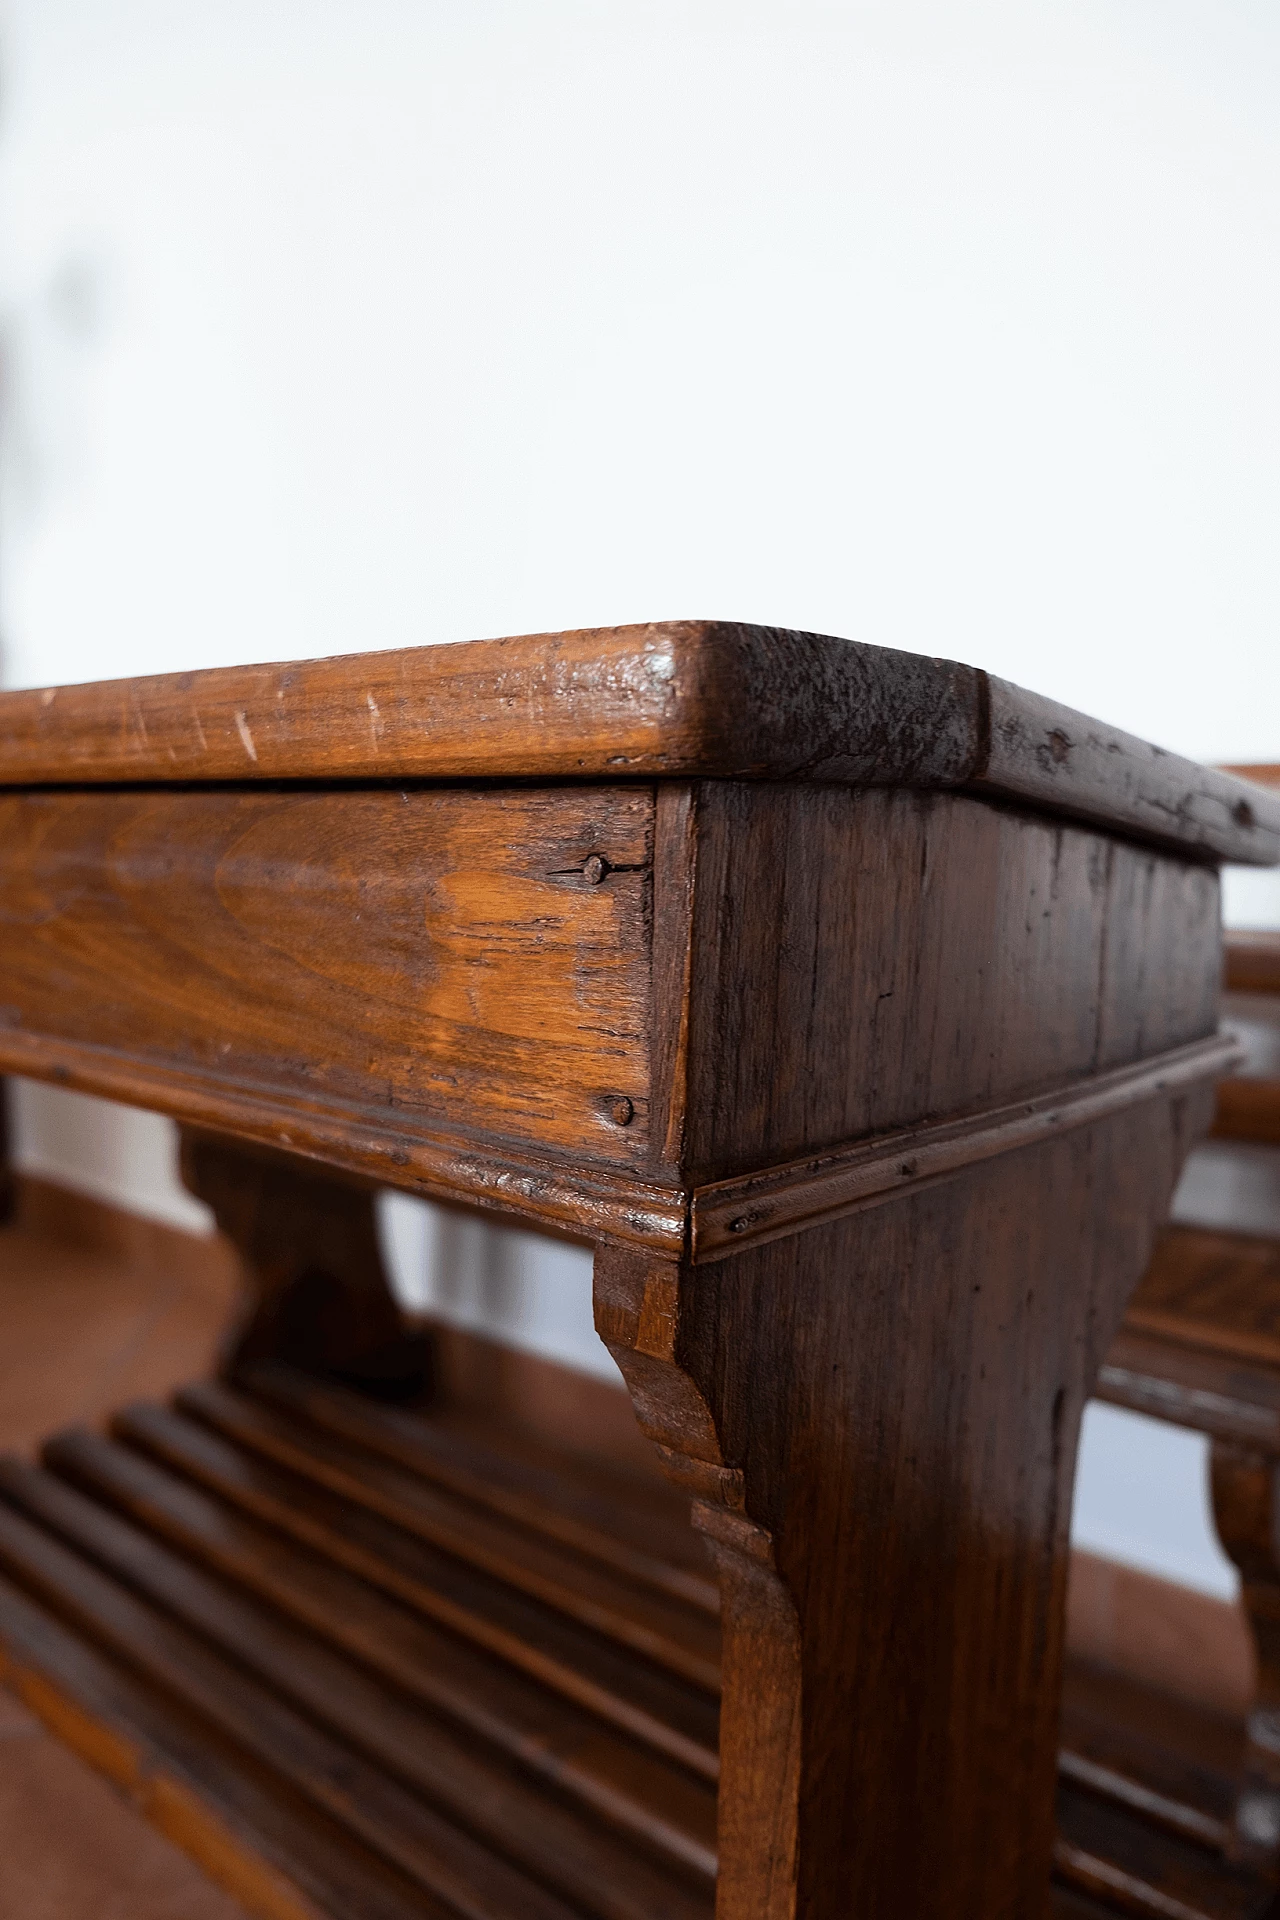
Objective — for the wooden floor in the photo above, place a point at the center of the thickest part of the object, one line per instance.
(80, 1329)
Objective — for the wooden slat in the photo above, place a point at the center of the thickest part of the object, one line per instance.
(1172, 1765)
(649, 1542)
(679, 1638)
(558, 1845)
(278, 1856)
(1147, 1872)
(642, 1699)
(398, 1824)
(621, 1782)
(1248, 1109)
(1217, 1291)
(1259, 772)
(1200, 1345)
(197, 1561)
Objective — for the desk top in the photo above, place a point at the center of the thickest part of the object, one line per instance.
(674, 699)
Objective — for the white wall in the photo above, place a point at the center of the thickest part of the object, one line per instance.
(327, 326)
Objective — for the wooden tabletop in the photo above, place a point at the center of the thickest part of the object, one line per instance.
(676, 699)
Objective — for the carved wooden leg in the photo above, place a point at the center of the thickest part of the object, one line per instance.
(309, 1241)
(878, 1421)
(1247, 1513)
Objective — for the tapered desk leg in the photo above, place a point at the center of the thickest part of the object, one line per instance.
(319, 1294)
(878, 1420)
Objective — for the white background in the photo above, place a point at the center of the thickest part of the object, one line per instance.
(330, 326)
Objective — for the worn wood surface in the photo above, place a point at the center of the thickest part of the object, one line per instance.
(877, 1413)
(441, 956)
(354, 1627)
(778, 1201)
(865, 961)
(924, 907)
(676, 698)
(908, 1634)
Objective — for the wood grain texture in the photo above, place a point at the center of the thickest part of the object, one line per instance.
(677, 698)
(862, 895)
(869, 961)
(277, 1652)
(408, 1737)
(440, 956)
(1216, 1292)
(640, 1698)
(1164, 1638)
(784, 1200)
(900, 1448)
(282, 1861)
(877, 1415)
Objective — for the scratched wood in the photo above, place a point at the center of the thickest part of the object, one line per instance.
(451, 956)
(864, 892)
(668, 699)
(829, 996)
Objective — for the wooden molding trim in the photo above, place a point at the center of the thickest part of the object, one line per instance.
(601, 1205)
(476, 1374)
(732, 1214)
(583, 1203)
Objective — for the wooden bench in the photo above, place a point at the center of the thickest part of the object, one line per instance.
(858, 1010)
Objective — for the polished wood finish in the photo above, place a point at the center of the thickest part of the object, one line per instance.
(867, 1072)
(315, 1617)
(776, 1388)
(438, 955)
(676, 698)
(217, 1594)
(1249, 1101)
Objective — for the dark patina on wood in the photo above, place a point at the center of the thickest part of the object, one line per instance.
(859, 1010)
(695, 698)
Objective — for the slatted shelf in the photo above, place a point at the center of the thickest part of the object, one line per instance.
(398, 1667)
